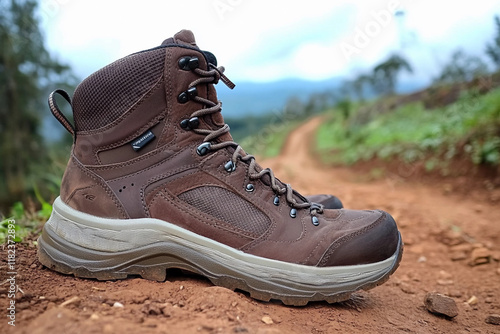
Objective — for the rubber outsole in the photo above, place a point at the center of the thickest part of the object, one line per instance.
(86, 246)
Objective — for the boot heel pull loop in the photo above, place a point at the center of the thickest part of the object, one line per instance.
(54, 108)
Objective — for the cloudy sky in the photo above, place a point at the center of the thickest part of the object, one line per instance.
(258, 40)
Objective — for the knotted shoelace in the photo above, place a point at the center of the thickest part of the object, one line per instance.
(212, 76)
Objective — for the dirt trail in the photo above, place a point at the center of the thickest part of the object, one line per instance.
(442, 232)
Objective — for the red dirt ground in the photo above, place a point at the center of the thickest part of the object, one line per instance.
(443, 232)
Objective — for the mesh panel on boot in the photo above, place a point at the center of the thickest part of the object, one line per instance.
(108, 93)
(228, 207)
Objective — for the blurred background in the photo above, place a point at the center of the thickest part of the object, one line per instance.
(414, 82)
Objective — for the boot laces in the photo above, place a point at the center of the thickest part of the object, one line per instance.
(212, 76)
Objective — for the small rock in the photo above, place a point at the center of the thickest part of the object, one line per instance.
(445, 275)
(440, 304)
(479, 256)
(498, 271)
(458, 255)
(133, 296)
(267, 320)
(451, 238)
(53, 299)
(408, 241)
(118, 304)
(407, 288)
(472, 300)
(445, 282)
(404, 278)
(466, 247)
(422, 259)
(94, 316)
(489, 300)
(455, 294)
(493, 319)
(151, 309)
(72, 300)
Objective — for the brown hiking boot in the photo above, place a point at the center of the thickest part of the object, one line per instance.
(155, 181)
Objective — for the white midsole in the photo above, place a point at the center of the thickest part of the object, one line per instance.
(117, 235)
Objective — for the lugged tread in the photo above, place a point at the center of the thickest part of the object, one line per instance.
(157, 272)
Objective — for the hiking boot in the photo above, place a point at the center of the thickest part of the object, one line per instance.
(328, 201)
(155, 181)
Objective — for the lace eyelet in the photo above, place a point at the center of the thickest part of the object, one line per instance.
(276, 200)
(315, 220)
(230, 166)
(188, 63)
(193, 63)
(250, 187)
(183, 63)
(293, 213)
(189, 124)
(190, 94)
(182, 97)
(203, 149)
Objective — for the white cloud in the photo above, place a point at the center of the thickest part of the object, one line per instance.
(269, 40)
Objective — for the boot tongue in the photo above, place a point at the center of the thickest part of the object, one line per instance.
(184, 36)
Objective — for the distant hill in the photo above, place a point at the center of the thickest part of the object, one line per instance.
(255, 98)
(260, 97)
(249, 98)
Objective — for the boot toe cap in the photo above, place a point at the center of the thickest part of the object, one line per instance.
(374, 242)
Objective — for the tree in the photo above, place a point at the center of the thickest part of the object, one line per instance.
(493, 49)
(25, 69)
(385, 74)
(462, 68)
(360, 85)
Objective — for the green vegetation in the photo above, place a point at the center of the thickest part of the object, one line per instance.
(458, 116)
(270, 141)
(25, 220)
(470, 126)
(265, 135)
(27, 73)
